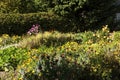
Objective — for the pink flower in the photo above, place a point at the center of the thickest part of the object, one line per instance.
(34, 29)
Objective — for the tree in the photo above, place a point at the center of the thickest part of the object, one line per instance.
(27, 6)
(87, 14)
(44, 5)
(17, 6)
(8, 6)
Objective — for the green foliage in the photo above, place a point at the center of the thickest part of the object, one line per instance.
(5, 40)
(47, 38)
(90, 55)
(27, 6)
(78, 15)
(117, 36)
(87, 14)
(96, 60)
(11, 57)
(17, 6)
(74, 61)
(96, 36)
(9, 6)
(44, 5)
(21, 23)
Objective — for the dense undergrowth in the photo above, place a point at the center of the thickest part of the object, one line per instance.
(62, 56)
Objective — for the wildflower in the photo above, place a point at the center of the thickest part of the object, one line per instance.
(105, 28)
(5, 36)
(0, 40)
(33, 71)
(23, 65)
(28, 61)
(40, 74)
(89, 41)
(34, 57)
(98, 36)
(94, 69)
(115, 53)
(14, 38)
(34, 29)
(20, 79)
(94, 34)
(104, 37)
(108, 38)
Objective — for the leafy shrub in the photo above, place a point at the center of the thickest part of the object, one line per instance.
(17, 6)
(78, 62)
(5, 40)
(87, 14)
(79, 14)
(21, 23)
(9, 6)
(116, 36)
(96, 60)
(11, 57)
(96, 36)
(74, 61)
(96, 57)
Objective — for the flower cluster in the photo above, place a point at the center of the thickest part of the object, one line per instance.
(105, 28)
(34, 29)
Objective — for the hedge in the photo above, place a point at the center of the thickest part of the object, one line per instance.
(21, 23)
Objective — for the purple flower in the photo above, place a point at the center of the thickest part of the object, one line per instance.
(34, 29)
(33, 26)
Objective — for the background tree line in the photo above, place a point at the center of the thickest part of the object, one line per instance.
(84, 14)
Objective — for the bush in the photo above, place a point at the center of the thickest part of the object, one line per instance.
(11, 57)
(5, 40)
(21, 23)
(17, 6)
(87, 14)
(76, 62)
(97, 57)
(83, 14)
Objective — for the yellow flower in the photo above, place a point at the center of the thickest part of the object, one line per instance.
(18, 67)
(39, 74)
(98, 36)
(94, 34)
(105, 28)
(20, 79)
(0, 40)
(34, 57)
(23, 65)
(89, 42)
(69, 49)
(33, 71)
(115, 53)
(104, 37)
(28, 61)
(28, 53)
(13, 79)
(94, 69)
(96, 53)
(5, 35)
(14, 37)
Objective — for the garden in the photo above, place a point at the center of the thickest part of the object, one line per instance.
(59, 40)
(61, 56)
